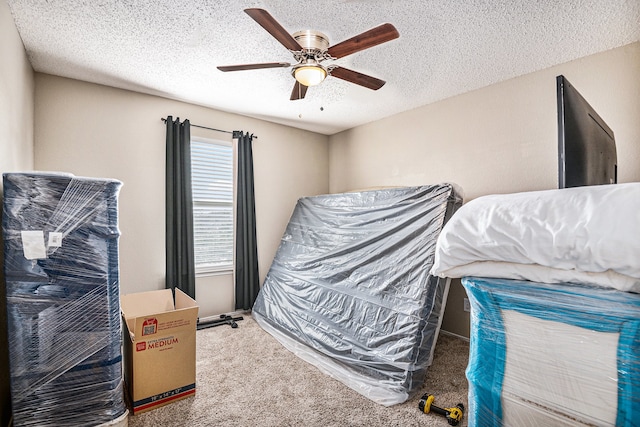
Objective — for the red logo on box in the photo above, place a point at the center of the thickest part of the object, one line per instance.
(141, 346)
(150, 326)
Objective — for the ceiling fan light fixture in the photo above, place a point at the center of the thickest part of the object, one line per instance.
(310, 75)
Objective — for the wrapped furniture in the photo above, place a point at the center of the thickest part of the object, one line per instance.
(349, 289)
(61, 267)
(553, 278)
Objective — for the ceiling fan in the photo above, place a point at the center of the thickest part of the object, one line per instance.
(311, 48)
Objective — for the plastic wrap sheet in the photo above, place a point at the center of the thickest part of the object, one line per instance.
(61, 267)
(552, 355)
(349, 289)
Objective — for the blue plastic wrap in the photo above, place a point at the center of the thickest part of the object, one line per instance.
(552, 355)
(61, 267)
(349, 289)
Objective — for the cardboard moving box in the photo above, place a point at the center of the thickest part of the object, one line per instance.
(159, 348)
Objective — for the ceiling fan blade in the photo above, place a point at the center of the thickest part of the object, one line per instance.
(272, 26)
(373, 37)
(357, 78)
(299, 91)
(253, 66)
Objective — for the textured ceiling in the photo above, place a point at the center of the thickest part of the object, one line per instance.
(446, 47)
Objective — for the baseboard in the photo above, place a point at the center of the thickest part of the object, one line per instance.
(442, 331)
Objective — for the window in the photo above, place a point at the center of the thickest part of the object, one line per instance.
(212, 186)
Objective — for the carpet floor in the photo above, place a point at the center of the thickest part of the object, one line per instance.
(247, 378)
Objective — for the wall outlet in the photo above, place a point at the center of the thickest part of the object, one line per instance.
(467, 306)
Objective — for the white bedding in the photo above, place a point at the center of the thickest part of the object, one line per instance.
(588, 235)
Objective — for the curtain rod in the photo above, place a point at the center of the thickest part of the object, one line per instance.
(204, 127)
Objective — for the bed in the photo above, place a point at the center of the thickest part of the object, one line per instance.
(553, 278)
(349, 290)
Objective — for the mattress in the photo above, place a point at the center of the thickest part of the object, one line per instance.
(349, 289)
(552, 354)
(62, 287)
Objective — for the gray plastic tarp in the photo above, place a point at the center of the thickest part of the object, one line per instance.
(349, 289)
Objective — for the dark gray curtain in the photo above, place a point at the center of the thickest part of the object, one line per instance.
(180, 270)
(247, 280)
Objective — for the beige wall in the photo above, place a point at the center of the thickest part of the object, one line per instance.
(16, 152)
(16, 98)
(499, 139)
(93, 130)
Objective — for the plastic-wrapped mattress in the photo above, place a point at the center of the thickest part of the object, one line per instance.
(63, 311)
(349, 289)
(552, 354)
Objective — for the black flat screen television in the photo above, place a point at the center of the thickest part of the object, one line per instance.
(586, 145)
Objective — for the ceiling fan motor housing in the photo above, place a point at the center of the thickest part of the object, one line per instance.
(308, 71)
(312, 40)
